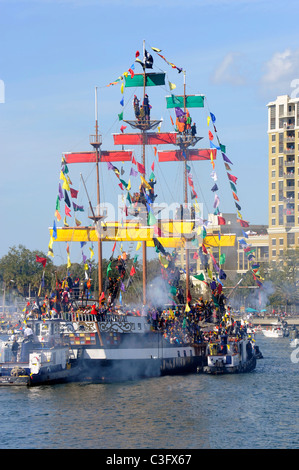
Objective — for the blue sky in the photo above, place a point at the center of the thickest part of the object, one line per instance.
(239, 54)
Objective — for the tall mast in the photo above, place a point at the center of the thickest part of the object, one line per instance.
(144, 265)
(96, 142)
(186, 198)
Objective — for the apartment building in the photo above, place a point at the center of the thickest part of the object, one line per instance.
(283, 135)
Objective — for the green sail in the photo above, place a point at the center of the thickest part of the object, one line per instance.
(192, 101)
(152, 79)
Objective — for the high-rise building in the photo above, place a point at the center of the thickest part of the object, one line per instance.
(283, 133)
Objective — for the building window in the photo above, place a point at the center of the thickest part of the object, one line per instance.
(273, 241)
(273, 186)
(273, 149)
(273, 174)
(280, 252)
(290, 238)
(273, 209)
(273, 222)
(281, 241)
(273, 197)
(273, 252)
(272, 117)
(280, 215)
(273, 137)
(273, 161)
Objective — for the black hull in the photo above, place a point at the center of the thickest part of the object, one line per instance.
(103, 370)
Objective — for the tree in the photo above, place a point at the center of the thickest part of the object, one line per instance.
(20, 266)
(284, 275)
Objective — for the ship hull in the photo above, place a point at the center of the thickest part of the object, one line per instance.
(105, 370)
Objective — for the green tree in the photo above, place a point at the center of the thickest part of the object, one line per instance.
(20, 266)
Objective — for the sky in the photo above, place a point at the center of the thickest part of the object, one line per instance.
(240, 54)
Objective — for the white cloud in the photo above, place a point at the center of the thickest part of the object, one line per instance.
(230, 70)
(282, 66)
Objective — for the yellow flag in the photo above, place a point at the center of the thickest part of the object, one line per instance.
(239, 215)
(122, 87)
(65, 222)
(163, 261)
(78, 223)
(208, 119)
(91, 253)
(145, 183)
(65, 185)
(68, 261)
(210, 274)
(138, 246)
(172, 86)
(129, 185)
(187, 309)
(51, 242)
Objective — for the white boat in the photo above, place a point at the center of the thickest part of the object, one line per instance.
(230, 356)
(276, 331)
(38, 360)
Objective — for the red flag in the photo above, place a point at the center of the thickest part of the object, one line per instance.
(131, 72)
(140, 168)
(114, 246)
(232, 178)
(189, 298)
(221, 220)
(67, 211)
(133, 271)
(137, 54)
(121, 186)
(204, 249)
(211, 137)
(74, 193)
(235, 196)
(43, 261)
(243, 223)
(171, 120)
(195, 256)
(133, 160)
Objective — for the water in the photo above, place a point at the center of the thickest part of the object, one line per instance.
(258, 410)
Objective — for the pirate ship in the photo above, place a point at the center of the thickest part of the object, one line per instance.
(125, 345)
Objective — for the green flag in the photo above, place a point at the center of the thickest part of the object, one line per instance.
(151, 219)
(120, 116)
(222, 259)
(109, 268)
(200, 277)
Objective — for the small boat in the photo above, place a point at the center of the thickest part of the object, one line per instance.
(276, 331)
(37, 363)
(230, 355)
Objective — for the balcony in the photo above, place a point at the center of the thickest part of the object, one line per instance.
(289, 163)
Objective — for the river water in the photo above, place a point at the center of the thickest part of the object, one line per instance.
(258, 410)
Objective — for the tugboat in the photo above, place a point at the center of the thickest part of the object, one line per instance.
(39, 359)
(230, 356)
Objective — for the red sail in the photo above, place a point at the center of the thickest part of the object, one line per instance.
(105, 156)
(194, 154)
(151, 138)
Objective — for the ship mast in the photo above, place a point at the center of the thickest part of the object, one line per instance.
(186, 200)
(144, 254)
(96, 142)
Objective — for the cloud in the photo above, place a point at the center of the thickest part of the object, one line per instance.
(283, 66)
(230, 70)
